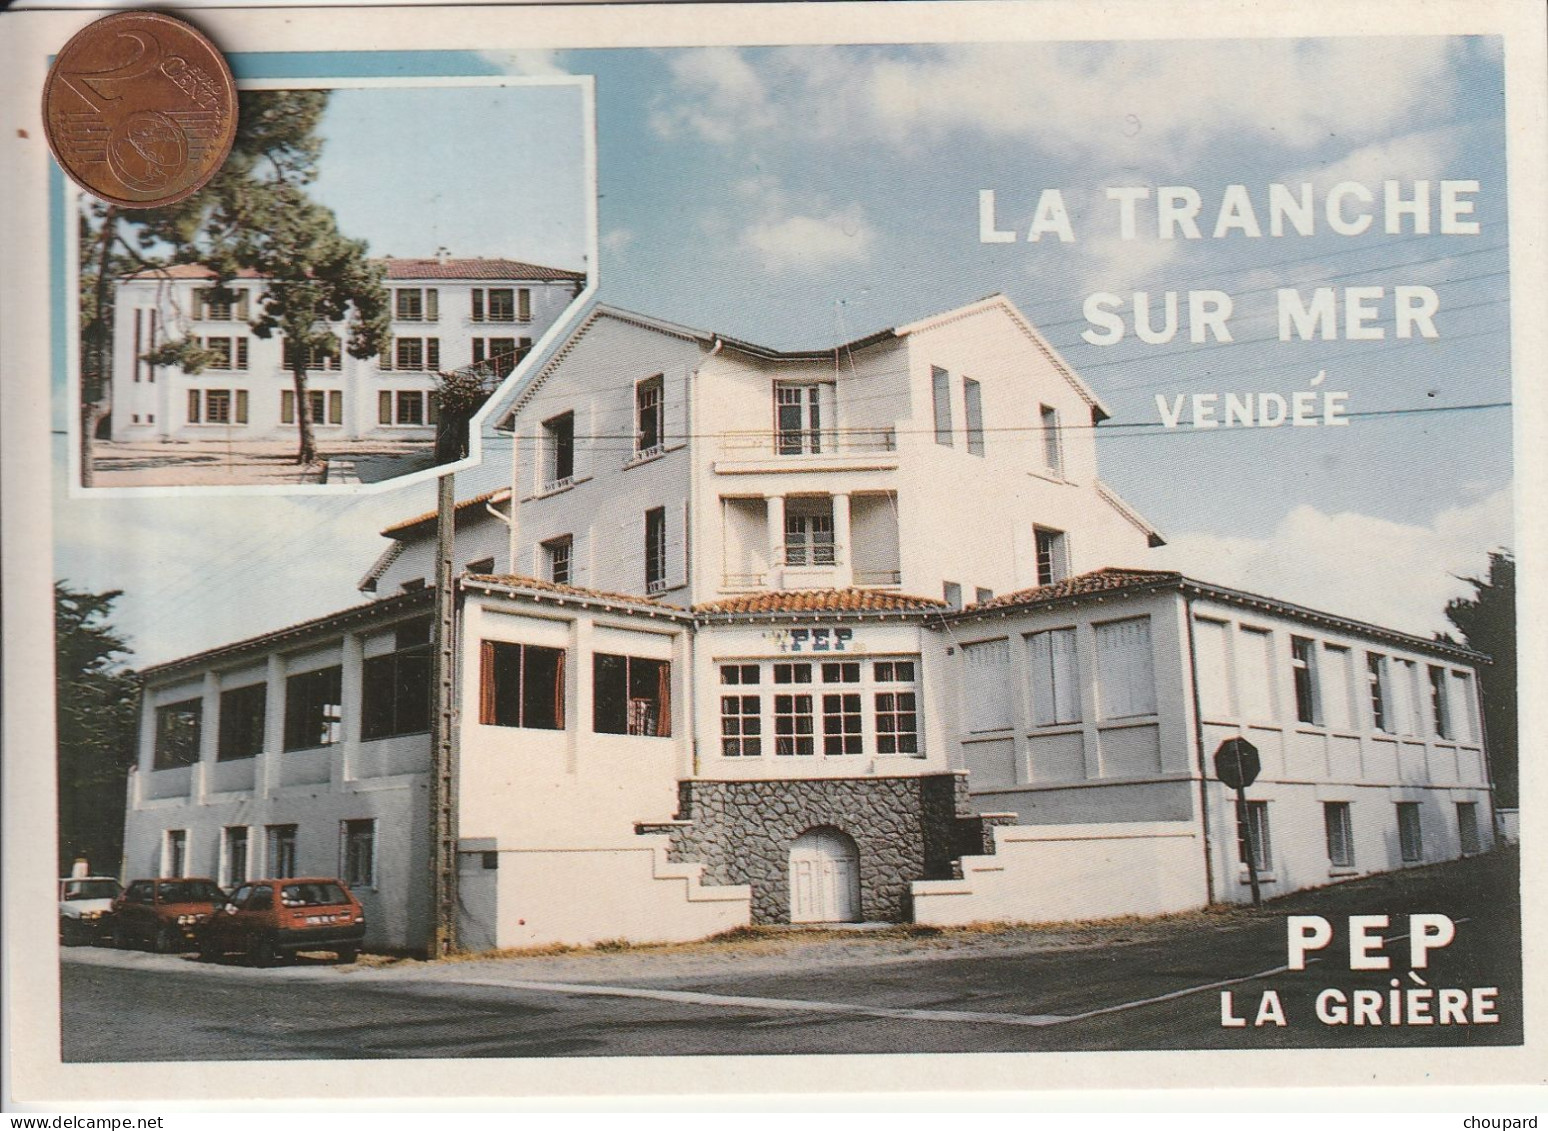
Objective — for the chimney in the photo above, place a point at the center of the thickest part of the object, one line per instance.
(442, 255)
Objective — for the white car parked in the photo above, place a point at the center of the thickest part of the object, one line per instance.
(84, 902)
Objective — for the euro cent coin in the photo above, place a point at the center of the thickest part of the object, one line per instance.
(140, 109)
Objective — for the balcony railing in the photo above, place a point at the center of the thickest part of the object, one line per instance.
(802, 442)
(868, 577)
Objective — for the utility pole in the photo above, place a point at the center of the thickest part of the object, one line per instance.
(443, 734)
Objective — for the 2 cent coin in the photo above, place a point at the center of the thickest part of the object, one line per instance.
(140, 109)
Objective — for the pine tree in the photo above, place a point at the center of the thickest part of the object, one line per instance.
(1487, 622)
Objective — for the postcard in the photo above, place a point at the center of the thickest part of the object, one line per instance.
(918, 547)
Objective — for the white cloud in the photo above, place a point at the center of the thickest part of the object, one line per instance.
(810, 243)
(1127, 103)
(1422, 155)
(617, 240)
(529, 62)
(1396, 575)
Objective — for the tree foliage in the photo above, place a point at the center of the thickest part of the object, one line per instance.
(96, 707)
(1487, 622)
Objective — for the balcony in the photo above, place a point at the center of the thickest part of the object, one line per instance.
(837, 449)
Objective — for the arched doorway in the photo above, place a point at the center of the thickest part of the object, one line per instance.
(824, 878)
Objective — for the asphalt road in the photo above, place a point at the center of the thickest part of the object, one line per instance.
(1166, 994)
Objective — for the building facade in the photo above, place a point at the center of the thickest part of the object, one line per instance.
(448, 313)
(731, 650)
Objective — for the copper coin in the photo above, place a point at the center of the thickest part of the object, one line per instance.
(140, 109)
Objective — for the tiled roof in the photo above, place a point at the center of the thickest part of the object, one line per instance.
(537, 585)
(401, 269)
(422, 523)
(822, 601)
(476, 269)
(1098, 581)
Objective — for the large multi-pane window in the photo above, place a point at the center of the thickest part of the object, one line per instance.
(413, 354)
(1410, 832)
(809, 532)
(314, 708)
(741, 711)
(521, 685)
(649, 415)
(1125, 669)
(242, 714)
(395, 687)
(1055, 677)
(798, 418)
(178, 727)
(221, 304)
(416, 304)
(317, 357)
(833, 708)
(225, 352)
(1340, 834)
(1252, 838)
(897, 712)
(1308, 690)
(323, 407)
(631, 695)
(217, 406)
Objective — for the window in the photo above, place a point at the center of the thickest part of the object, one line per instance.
(1440, 705)
(1376, 675)
(973, 415)
(359, 853)
(1464, 687)
(1053, 555)
(841, 724)
(1055, 677)
(797, 419)
(174, 859)
(317, 356)
(421, 354)
(523, 305)
(809, 532)
(522, 685)
(1255, 667)
(558, 451)
(1342, 711)
(1308, 691)
(1254, 837)
(322, 406)
(221, 304)
(1467, 827)
(502, 304)
(416, 304)
(793, 725)
(897, 712)
(741, 716)
(1053, 441)
(242, 711)
(314, 708)
(649, 415)
(1407, 698)
(1126, 684)
(496, 355)
(980, 594)
(986, 686)
(655, 550)
(395, 688)
(217, 406)
(558, 555)
(177, 734)
(631, 695)
(940, 396)
(1410, 832)
(281, 851)
(225, 353)
(951, 593)
(1335, 820)
(792, 673)
(409, 407)
(235, 870)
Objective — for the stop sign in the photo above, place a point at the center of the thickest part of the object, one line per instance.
(1236, 763)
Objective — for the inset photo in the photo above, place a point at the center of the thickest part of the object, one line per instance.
(369, 266)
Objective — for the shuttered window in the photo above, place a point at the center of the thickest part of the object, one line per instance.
(986, 686)
(1055, 677)
(1254, 674)
(1126, 680)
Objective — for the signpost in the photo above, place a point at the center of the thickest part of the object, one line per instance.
(1237, 765)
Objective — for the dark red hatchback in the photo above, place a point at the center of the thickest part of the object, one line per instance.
(162, 913)
(273, 920)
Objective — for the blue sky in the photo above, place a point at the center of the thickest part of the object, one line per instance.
(801, 196)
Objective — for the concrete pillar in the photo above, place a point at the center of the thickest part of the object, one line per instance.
(577, 691)
(266, 767)
(776, 539)
(843, 556)
(209, 738)
(341, 765)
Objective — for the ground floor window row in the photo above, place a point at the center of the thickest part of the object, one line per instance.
(325, 407)
(239, 848)
(1254, 837)
(523, 685)
(851, 707)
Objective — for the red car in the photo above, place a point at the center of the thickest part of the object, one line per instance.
(273, 920)
(162, 914)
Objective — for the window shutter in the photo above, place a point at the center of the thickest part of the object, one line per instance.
(193, 406)
(987, 694)
(241, 353)
(664, 697)
(243, 307)
(241, 406)
(559, 690)
(1044, 711)
(432, 408)
(432, 304)
(486, 683)
(433, 352)
(523, 305)
(335, 406)
(384, 408)
(478, 306)
(287, 406)
(1124, 668)
(387, 354)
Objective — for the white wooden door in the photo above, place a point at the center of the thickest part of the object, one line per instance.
(824, 878)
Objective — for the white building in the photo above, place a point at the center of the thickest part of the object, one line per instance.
(447, 313)
(732, 649)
